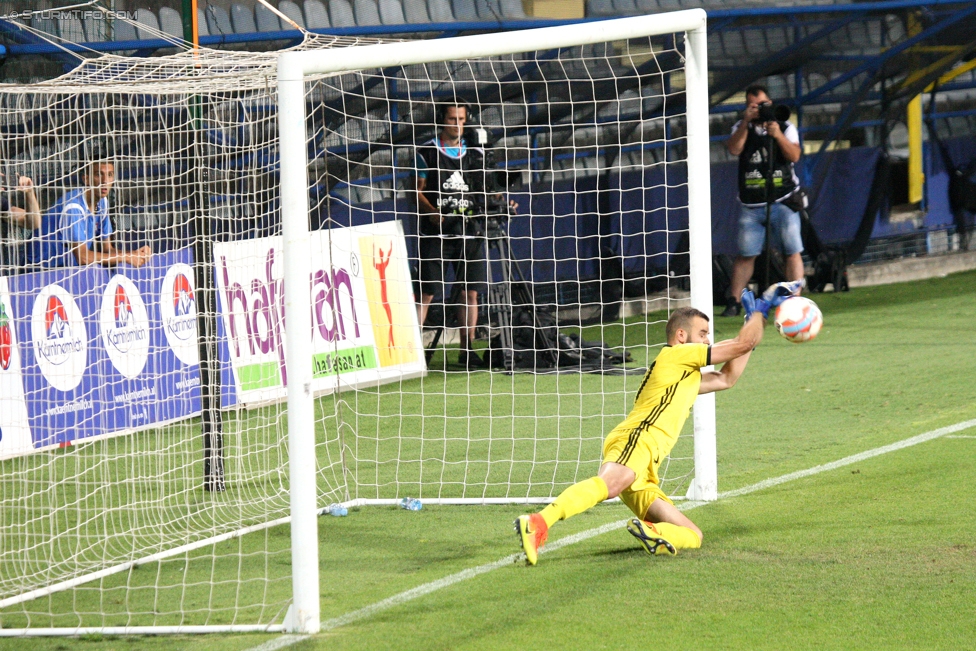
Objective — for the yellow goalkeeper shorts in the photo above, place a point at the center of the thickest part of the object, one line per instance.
(639, 451)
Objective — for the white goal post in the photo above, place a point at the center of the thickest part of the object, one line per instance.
(293, 68)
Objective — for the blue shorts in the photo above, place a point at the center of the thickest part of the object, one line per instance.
(784, 230)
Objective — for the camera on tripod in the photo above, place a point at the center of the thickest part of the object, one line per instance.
(769, 112)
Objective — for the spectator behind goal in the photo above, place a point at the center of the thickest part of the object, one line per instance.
(17, 225)
(77, 230)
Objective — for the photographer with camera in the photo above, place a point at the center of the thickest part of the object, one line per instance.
(452, 185)
(767, 145)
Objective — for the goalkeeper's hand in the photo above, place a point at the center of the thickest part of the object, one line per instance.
(776, 294)
(751, 304)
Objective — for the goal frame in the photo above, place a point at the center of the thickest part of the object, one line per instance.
(293, 68)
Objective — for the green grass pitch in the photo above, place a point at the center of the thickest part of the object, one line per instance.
(875, 555)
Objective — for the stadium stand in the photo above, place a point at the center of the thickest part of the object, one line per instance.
(218, 20)
(293, 11)
(265, 20)
(171, 22)
(149, 24)
(242, 18)
(342, 13)
(367, 13)
(316, 16)
(815, 62)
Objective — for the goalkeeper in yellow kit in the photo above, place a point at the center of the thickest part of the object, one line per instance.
(633, 451)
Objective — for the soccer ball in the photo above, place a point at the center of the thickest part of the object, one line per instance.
(798, 319)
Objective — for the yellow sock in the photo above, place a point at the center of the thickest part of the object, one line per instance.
(575, 499)
(680, 537)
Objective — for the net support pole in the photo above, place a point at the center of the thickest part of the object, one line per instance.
(305, 615)
(705, 484)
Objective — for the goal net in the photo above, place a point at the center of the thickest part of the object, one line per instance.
(162, 425)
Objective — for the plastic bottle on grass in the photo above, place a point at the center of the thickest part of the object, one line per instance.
(337, 510)
(411, 504)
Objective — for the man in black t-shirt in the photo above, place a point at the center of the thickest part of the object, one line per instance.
(450, 192)
(750, 142)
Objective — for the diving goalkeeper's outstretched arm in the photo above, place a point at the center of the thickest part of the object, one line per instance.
(734, 353)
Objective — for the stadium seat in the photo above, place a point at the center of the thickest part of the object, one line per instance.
(218, 20)
(367, 13)
(512, 9)
(46, 25)
(124, 31)
(733, 44)
(440, 11)
(626, 7)
(293, 11)
(316, 16)
(242, 19)
(415, 11)
(777, 38)
(669, 5)
(488, 9)
(71, 29)
(600, 8)
(342, 13)
(171, 22)
(391, 12)
(266, 20)
(148, 24)
(465, 10)
(202, 28)
(96, 31)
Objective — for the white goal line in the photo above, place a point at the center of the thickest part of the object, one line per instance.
(471, 573)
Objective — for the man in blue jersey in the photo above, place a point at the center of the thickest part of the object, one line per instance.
(85, 227)
(450, 190)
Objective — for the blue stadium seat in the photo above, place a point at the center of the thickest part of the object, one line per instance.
(488, 9)
(71, 29)
(266, 20)
(465, 10)
(440, 11)
(218, 20)
(391, 12)
(124, 31)
(294, 12)
(46, 25)
(242, 19)
(342, 13)
(148, 24)
(96, 31)
(626, 7)
(512, 9)
(171, 22)
(600, 8)
(202, 28)
(415, 11)
(316, 16)
(367, 13)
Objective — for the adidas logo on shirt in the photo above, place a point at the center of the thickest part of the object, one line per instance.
(756, 157)
(455, 183)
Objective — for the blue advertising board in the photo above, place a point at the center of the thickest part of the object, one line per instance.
(105, 352)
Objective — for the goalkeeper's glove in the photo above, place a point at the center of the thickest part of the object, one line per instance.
(751, 304)
(776, 294)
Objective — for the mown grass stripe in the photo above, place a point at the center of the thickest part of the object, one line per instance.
(473, 572)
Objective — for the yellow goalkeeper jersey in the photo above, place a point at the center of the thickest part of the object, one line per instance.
(666, 395)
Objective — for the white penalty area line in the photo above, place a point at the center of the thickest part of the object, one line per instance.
(471, 573)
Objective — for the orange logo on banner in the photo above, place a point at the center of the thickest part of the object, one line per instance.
(390, 299)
